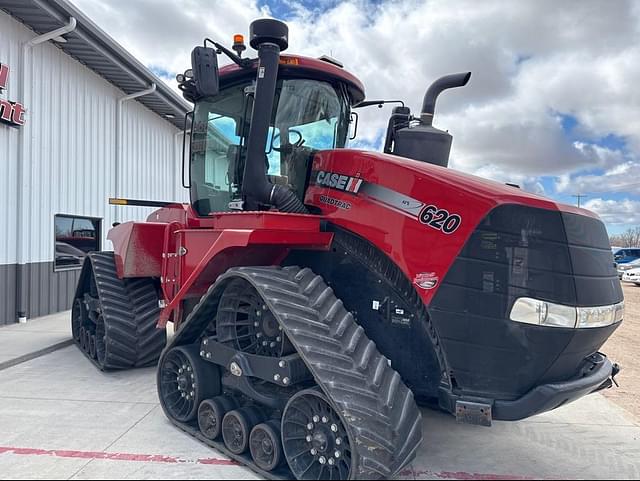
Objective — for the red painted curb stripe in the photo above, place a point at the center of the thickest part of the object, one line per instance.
(148, 458)
(158, 458)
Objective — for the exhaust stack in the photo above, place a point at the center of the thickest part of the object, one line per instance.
(424, 142)
(436, 88)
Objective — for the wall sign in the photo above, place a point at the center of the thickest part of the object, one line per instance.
(11, 113)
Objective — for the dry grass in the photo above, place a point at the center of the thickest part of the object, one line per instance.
(624, 348)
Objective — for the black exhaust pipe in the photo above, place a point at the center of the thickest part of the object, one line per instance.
(421, 140)
(436, 88)
(269, 37)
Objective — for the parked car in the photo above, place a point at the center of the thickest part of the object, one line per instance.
(628, 254)
(632, 275)
(622, 268)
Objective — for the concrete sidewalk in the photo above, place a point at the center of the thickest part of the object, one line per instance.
(63, 419)
(23, 342)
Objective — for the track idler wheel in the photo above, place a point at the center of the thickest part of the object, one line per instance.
(265, 445)
(315, 440)
(237, 426)
(185, 381)
(211, 413)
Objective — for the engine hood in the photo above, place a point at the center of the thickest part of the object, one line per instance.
(403, 174)
(422, 215)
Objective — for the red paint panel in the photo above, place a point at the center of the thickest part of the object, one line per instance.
(239, 239)
(415, 247)
(291, 63)
(138, 248)
(172, 213)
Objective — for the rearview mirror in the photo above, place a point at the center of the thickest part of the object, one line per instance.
(204, 64)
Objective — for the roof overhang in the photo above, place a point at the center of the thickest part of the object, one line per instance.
(92, 47)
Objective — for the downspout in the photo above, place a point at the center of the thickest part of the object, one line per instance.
(121, 101)
(23, 193)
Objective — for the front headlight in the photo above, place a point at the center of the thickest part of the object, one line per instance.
(543, 313)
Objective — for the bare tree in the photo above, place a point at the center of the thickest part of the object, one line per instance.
(629, 238)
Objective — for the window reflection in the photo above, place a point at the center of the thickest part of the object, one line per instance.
(75, 237)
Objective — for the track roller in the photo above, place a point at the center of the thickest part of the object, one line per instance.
(266, 446)
(83, 338)
(211, 413)
(78, 317)
(237, 426)
(92, 346)
(185, 381)
(87, 341)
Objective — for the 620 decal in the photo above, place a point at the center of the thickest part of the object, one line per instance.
(440, 219)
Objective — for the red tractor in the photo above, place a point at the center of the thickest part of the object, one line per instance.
(319, 294)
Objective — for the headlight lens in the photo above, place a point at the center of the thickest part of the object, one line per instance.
(543, 313)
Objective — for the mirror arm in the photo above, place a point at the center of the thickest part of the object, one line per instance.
(379, 103)
(242, 62)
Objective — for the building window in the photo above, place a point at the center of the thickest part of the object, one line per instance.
(75, 236)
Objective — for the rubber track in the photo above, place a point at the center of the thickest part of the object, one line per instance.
(379, 410)
(130, 312)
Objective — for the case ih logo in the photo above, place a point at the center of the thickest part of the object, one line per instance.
(338, 181)
(11, 113)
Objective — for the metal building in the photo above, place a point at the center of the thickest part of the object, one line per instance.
(81, 120)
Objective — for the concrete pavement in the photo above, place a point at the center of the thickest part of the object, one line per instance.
(22, 342)
(62, 419)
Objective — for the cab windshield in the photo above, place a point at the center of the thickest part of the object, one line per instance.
(309, 115)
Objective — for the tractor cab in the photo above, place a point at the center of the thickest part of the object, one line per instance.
(257, 123)
(308, 115)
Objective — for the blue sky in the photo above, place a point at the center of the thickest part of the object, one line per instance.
(550, 105)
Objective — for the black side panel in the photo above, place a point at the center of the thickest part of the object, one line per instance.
(385, 304)
(520, 251)
(596, 279)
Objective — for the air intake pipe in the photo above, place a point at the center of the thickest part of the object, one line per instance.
(269, 37)
(421, 140)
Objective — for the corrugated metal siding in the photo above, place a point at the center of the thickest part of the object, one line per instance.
(58, 287)
(70, 159)
(7, 294)
(149, 160)
(11, 33)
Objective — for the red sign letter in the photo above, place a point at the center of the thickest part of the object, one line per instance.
(6, 110)
(18, 114)
(4, 76)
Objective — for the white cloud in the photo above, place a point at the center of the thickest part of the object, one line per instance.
(530, 61)
(625, 211)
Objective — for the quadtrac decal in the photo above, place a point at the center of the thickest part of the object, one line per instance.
(427, 214)
(332, 201)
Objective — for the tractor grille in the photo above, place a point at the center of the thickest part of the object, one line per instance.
(520, 251)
